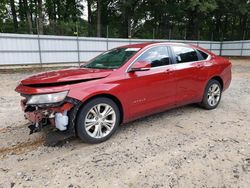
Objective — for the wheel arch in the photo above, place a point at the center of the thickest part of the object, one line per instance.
(216, 77)
(219, 79)
(110, 96)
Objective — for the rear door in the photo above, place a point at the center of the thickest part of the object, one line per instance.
(188, 65)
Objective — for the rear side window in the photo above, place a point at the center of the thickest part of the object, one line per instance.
(203, 54)
(185, 54)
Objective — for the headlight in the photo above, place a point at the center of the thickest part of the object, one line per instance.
(47, 98)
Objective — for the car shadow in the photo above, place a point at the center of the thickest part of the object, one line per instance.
(59, 139)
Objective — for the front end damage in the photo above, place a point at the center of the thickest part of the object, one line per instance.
(59, 115)
(54, 97)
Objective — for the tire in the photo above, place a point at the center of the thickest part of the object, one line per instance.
(212, 95)
(93, 124)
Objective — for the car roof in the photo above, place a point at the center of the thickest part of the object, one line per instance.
(142, 45)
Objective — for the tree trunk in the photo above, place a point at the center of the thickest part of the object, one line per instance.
(53, 11)
(243, 27)
(14, 17)
(190, 27)
(98, 18)
(125, 21)
(89, 3)
(21, 12)
(28, 18)
(40, 17)
(66, 14)
(33, 10)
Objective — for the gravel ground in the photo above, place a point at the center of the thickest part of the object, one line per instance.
(183, 147)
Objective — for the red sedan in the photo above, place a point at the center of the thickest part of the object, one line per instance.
(122, 85)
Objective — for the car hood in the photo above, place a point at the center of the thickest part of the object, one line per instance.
(66, 76)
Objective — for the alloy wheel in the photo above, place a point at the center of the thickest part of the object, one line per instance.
(100, 120)
(213, 95)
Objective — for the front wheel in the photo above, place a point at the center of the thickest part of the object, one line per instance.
(97, 120)
(212, 95)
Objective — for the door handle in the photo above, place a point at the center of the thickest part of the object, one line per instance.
(199, 65)
(169, 71)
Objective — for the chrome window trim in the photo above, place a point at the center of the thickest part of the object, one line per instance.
(127, 70)
(208, 58)
(195, 49)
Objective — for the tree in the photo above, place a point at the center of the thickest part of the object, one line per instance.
(196, 11)
(89, 4)
(175, 19)
(40, 17)
(99, 8)
(27, 15)
(14, 16)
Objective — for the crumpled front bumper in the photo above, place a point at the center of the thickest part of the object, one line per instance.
(40, 115)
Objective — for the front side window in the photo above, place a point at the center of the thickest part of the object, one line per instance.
(185, 54)
(112, 59)
(156, 56)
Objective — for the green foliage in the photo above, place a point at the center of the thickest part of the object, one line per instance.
(174, 19)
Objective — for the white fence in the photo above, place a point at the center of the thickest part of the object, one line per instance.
(19, 49)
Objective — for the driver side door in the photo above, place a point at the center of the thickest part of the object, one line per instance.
(152, 90)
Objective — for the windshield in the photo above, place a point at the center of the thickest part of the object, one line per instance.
(112, 59)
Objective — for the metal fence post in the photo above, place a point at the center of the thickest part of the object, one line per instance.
(221, 43)
(169, 35)
(39, 49)
(77, 45)
(130, 35)
(211, 41)
(78, 49)
(242, 44)
(185, 34)
(241, 48)
(39, 43)
(198, 37)
(107, 36)
(153, 34)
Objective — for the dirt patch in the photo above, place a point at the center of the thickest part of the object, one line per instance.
(33, 69)
(21, 148)
(183, 147)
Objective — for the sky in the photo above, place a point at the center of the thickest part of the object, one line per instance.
(85, 11)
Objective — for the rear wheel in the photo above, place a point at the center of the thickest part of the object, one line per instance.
(212, 95)
(97, 120)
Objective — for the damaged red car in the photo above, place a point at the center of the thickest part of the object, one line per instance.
(121, 85)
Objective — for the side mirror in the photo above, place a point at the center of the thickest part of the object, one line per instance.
(140, 66)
